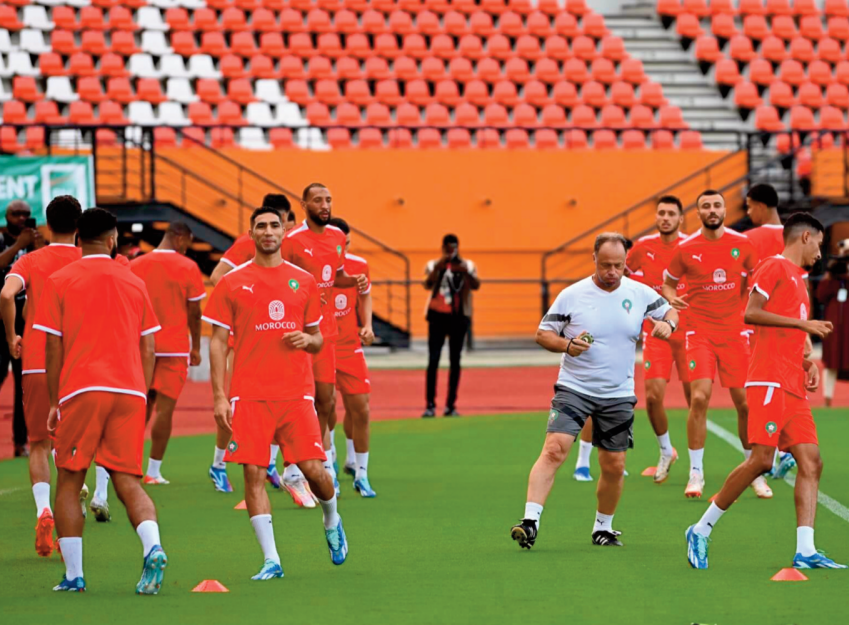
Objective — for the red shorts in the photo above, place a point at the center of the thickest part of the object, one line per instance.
(709, 351)
(779, 419)
(169, 375)
(659, 355)
(324, 363)
(352, 372)
(292, 424)
(36, 406)
(101, 426)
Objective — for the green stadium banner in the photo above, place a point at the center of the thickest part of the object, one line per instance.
(38, 179)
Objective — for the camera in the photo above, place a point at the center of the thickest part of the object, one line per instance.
(30, 223)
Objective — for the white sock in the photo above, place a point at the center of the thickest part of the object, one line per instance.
(328, 464)
(331, 517)
(696, 459)
(153, 467)
(362, 464)
(41, 493)
(747, 453)
(275, 449)
(332, 447)
(101, 488)
(292, 473)
(148, 531)
(804, 541)
(533, 511)
(777, 457)
(584, 455)
(665, 445)
(708, 520)
(350, 452)
(264, 531)
(218, 459)
(72, 553)
(603, 522)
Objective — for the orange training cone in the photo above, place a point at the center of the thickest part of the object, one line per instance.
(241, 505)
(210, 585)
(649, 472)
(789, 575)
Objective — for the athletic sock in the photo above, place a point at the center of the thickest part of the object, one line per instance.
(747, 453)
(603, 522)
(264, 531)
(328, 463)
(72, 553)
(101, 488)
(696, 460)
(332, 447)
(362, 464)
(153, 467)
(665, 445)
(331, 517)
(584, 455)
(292, 473)
(275, 449)
(218, 459)
(777, 457)
(533, 511)
(350, 452)
(708, 520)
(805, 541)
(41, 493)
(148, 531)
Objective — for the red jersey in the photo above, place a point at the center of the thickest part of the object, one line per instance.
(714, 272)
(259, 305)
(100, 310)
(767, 240)
(647, 261)
(242, 250)
(33, 269)
(322, 255)
(345, 301)
(777, 353)
(172, 280)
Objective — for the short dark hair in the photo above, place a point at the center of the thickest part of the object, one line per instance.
(798, 223)
(670, 199)
(341, 224)
(765, 194)
(708, 192)
(609, 237)
(262, 210)
(94, 223)
(450, 239)
(179, 229)
(310, 187)
(63, 213)
(278, 201)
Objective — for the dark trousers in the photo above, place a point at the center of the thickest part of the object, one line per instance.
(439, 326)
(19, 424)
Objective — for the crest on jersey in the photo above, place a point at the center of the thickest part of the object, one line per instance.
(552, 417)
(647, 365)
(692, 365)
(339, 250)
(771, 428)
(803, 311)
(341, 301)
(276, 310)
(294, 285)
(735, 253)
(627, 305)
(719, 276)
(326, 273)
(232, 447)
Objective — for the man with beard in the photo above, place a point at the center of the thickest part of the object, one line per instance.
(714, 262)
(778, 378)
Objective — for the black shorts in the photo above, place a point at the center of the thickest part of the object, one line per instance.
(613, 419)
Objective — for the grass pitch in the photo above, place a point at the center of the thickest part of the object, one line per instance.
(434, 547)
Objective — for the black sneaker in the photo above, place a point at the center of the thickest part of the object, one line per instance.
(525, 533)
(429, 412)
(607, 539)
(451, 412)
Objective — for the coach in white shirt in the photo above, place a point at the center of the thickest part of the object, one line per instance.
(595, 324)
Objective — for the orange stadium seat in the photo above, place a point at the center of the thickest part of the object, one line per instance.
(741, 49)
(707, 49)
(819, 72)
(233, 20)
(65, 18)
(642, 117)
(281, 138)
(400, 22)
(672, 118)
(498, 46)
(832, 118)
(779, 7)
(723, 26)
(557, 48)
(488, 138)
(755, 27)
(536, 94)
(584, 48)
(633, 140)
(348, 69)
(594, 94)
(548, 71)
(525, 115)
(802, 50)
(662, 140)
(802, 118)
(829, 50)
(811, 27)
(792, 72)
(722, 7)
(403, 68)
(553, 116)
(510, 24)
(575, 139)
(220, 138)
(651, 94)
(727, 72)
(539, 25)
(348, 114)
(459, 139)
(517, 139)
(564, 94)
(752, 7)
(746, 96)
(317, 114)
(604, 140)
(48, 113)
(671, 8)
(622, 94)
(575, 71)
(429, 139)
(613, 48)
(566, 25)
(112, 65)
(90, 89)
(388, 92)
(773, 49)
(838, 28)
(436, 114)
(837, 95)
(447, 93)
(631, 70)
(760, 72)
(613, 116)
(231, 66)
(527, 47)
(603, 71)
(767, 118)
(15, 112)
(688, 26)
(690, 140)
(583, 116)
(51, 64)
(112, 114)
(461, 69)
(504, 92)
(577, 7)
(546, 139)
(784, 26)
(417, 92)
(80, 113)
(810, 95)
(517, 71)
(25, 89)
(781, 95)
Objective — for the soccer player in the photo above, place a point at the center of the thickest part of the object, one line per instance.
(30, 273)
(778, 378)
(714, 262)
(319, 248)
(354, 319)
(175, 287)
(595, 324)
(99, 358)
(274, 312)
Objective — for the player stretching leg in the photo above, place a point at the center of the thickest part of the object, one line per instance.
(31, 273)
(594, 323)
(714, 262)
(273, 310)
(175, 286)
(99, 358)
(779, 377)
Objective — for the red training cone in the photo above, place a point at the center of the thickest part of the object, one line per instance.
(210, 585)
(789, 575)
(649, 472)
(241, 505)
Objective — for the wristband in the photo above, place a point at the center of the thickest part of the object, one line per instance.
(569, 346)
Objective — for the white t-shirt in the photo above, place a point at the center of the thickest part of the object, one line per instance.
(614, 320)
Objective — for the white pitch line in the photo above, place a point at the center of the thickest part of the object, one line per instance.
(824, 500)
(9, 491)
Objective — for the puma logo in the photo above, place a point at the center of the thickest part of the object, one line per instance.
(650, 255)
(794, 280)
(697, 257)
(308, 251)
(249, 288)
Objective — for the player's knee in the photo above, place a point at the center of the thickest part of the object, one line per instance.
(763, 462)
(699, 400)
(554, 453)
(810, 466)
(612, 465)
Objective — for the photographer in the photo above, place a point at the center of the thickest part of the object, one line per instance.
(832, 293)
(19, 238)
(450, 280)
